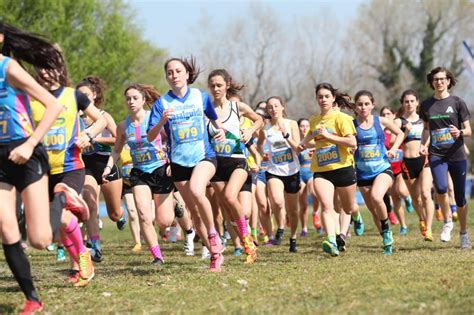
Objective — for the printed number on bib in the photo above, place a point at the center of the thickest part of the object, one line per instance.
(441, 137)
(185, 132)
(282, 157)
(397, 158)
(4, 130)
(55, 139)
(369, 152)
(224, 148)
(143, 156)
(126, 170)
(327, 155)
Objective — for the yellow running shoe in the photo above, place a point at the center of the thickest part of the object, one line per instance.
(86, 268)
(423, 228)
(250, 249)
(429, 236)
(137, 248)
(439, 215)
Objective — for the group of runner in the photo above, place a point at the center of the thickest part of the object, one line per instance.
(210, 164)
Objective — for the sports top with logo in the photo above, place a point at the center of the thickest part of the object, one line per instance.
(146, 156)
(440, 114)
(187, 139)
(64, 155)
(15, 111)
(329, 156)
(416, 129)
(231, 146)
(283, 161)
(371, 155)
(97, 148)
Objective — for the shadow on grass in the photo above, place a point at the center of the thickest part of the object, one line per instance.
(6, 309)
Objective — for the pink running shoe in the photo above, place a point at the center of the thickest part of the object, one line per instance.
(31, 307)
(391, 217)
(216, 262)
(74, 202)
(216, 245)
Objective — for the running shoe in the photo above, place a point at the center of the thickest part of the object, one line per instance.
(137, 248)
(439, 215)
(189, 244)
(465, 243)
(403, 230)
(388, 250)
(227, 235)
(359, 226)
(391, 217)
(51, 247)
(216, 262)
(293, 248)
(73, 276)
(429, 236)
(330, 248)
(157, 261)
(341, 242)
(320, 231)
(250, 249)
(316, 220)
(121, 223)
(303, 233)
(96, 255)
(74, 202)
(278, 237)
(205, 254)
(173, 238)
(387, 242)
(446, 232)
(31, 307)
(86, 269)
(238, 251)
(409, 204)
(423, 228)
(178, 209)
(60, 254)
(454, 215)
(215, 243)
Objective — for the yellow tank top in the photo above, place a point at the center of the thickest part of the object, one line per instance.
(64, 156)
(247, 124)
(329, 156)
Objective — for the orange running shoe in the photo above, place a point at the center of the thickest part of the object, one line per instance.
(316, 220)
(423, 228)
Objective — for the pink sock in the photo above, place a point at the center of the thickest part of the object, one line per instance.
(69, 245)
(242, 226)
(156, 252)
(95, 237)
(73, 233)
(211, 231)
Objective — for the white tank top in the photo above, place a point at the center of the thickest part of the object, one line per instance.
(283, 160)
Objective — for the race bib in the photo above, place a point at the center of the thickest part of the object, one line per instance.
(55, 139)
(398, 157)
(370, 152)
(327, 155)
(143, 156)
(126, 169)
(4, 134)
(281, 157)
(187, 131)
(441, 137)
(224, 148)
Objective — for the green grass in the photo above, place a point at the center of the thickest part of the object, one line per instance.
(418, 278)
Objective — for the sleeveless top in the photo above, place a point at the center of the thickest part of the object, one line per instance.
(247, 124)
(395, 162)
(371, 155)
(231, 146)
(146, 156)
(97, 148)
(283, 161)
(64, 156)
(416, 130)
(15, 111)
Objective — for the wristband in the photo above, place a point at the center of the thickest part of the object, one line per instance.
(287, 135)
(91, 139)
(461, 133)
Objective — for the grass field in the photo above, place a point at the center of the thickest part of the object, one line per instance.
(418, 278)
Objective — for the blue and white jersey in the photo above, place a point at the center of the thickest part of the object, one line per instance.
(371, 155)
(188, 140)
(146, 156)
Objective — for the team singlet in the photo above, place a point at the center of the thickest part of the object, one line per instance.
(97, 148)
(329, 156)
(283, 161)
(186, 128)
(371, 155)
(247, 124)
(15, 111)
(64, 156)
(146, 156)
(231, 146)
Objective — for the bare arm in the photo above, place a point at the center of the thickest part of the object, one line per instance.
(94, 114)
(111, 127)
(399, 135)
(118, 147)
(246, 111)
